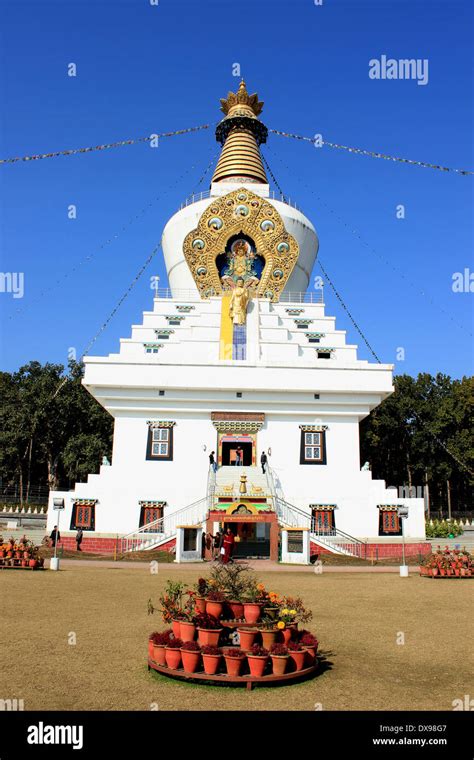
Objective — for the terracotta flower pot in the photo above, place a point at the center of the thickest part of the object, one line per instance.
(434, 571)
(159, 654)
(150, 649)
(200, 604)
(237, 610)
(257, 665)
(206, 636)
(187, 630)
(252, 612)
(285, 635)
(190, 660)
(211, 663)
(214, 608)
(33, 562)
(269, 637)
(176, 628)
(298, 659)
(17, 555)
(24, 563)
(310, 655)
(279, 664)
(233, 664)
(247, 637)
(173, 657)
(457, 571)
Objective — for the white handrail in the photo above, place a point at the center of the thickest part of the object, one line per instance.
(158, 531)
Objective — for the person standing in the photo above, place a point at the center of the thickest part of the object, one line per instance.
(216, 545)
(228, 546)
(55, 536)
(212, 461)
(263, 461)
(79, 537)
(238, 456)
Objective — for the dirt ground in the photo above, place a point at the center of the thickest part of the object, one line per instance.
(358, 619)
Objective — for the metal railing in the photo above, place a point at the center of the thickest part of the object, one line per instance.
(191, 296)
(159, 531)
(196, 197)
(337, 541)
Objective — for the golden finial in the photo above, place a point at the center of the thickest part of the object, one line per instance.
(241, 100)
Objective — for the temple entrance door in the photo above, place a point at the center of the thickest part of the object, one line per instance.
(229, 447)
(252, 539)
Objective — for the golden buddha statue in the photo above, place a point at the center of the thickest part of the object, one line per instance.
(238, 303)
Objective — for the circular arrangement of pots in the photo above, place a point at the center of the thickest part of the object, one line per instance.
(253, 659)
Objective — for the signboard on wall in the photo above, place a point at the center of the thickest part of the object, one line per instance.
(295, 541)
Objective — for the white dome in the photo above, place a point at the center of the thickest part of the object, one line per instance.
(186, 219)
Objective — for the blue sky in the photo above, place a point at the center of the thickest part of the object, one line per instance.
(143, 69)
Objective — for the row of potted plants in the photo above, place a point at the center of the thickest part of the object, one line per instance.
(231, 593)
(23, 554)
(208, 630)
(190, 656)
(448, 562)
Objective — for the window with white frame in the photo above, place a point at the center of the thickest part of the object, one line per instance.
(160, 442)
(160, 445)
(313, 447)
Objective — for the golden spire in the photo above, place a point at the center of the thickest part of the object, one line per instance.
(241, 132)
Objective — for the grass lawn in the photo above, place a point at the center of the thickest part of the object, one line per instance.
(357, 618)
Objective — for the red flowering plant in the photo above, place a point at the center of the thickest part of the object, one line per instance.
(174, 644)
(201, 587)
(308, 640)
(233, 652)
(211, 649)
(279, 650)
(191, 646)
(294, 646)
(215, 596)
(257, 651)
(207, 622)
(163, 637)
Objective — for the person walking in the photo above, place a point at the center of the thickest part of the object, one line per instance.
(79, 537)
(55, 536)
(238, 457)
(263, 461)
(212, 461)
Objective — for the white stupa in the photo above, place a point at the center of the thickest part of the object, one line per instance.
(237, 358)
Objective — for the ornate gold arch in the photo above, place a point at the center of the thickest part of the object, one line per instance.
(241, 211)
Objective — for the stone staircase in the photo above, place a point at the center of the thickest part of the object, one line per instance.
(228, 482)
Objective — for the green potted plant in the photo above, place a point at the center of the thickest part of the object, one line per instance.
(211, 657)
(234, 659)
(187, 626)
(257, 658)
(279, 656)
(209, 629)
(173, 653)
(191, 656)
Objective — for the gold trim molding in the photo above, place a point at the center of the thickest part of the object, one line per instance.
(241, 212)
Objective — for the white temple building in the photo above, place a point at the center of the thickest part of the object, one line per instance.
(238, 357)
